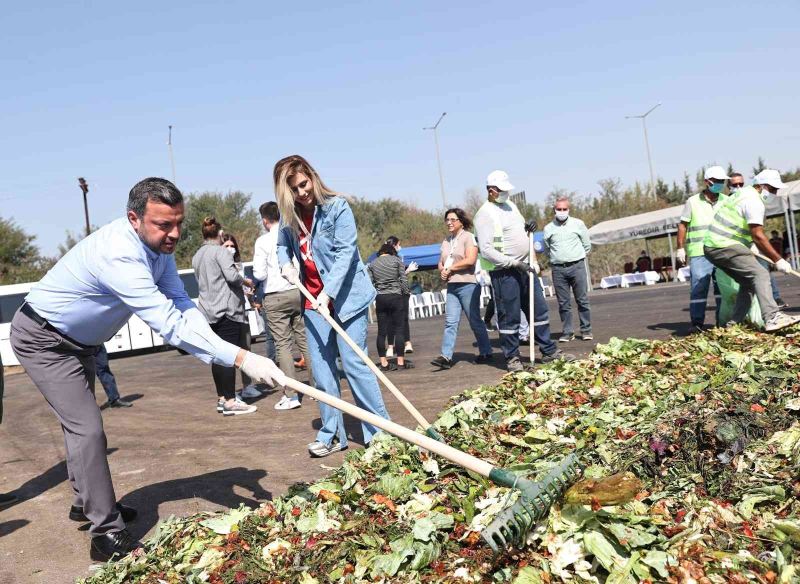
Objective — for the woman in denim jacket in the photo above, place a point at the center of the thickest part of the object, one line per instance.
(320, 231)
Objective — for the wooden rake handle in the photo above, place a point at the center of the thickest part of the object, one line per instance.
(454, 455)
(766, 259)
(365, 358)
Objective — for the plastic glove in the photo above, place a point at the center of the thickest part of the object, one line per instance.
(536, 269)
(412, 267)
(783, 266)
(290, 274)
(261, 369)
(522, 266)
(680, 255)
(322, 304)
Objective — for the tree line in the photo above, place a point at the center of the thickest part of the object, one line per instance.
(21, 260)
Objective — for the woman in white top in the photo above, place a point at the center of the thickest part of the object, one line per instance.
(457, 261)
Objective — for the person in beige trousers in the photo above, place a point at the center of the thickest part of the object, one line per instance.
(282, 303)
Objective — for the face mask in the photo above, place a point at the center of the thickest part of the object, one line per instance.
(502, 197)
(735, 188)
(716, 188)
(232, 250)
(562, 215)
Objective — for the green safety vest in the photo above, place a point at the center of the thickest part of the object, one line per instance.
(729, 226)
(497, 239)
(702, 216)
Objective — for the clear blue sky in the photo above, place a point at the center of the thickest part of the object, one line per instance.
(89, 88)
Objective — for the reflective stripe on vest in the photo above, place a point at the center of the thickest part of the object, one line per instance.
(729, 226)
(702, 216)
(497, 241)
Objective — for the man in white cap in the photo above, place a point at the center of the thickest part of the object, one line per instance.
(739, 223)
(503, 245)
(697, 214)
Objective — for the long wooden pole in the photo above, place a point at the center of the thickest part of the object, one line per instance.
(364, 357)
(454, 455)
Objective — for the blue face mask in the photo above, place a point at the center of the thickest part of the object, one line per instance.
(716, 188)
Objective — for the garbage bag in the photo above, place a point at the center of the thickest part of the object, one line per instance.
(729, 289)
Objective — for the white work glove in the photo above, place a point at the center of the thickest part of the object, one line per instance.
(680, 255)
(290, 274)
(322, 304)
(522, 266)
(536, 269)
(412, 267)
(783, 266)
(261, 369)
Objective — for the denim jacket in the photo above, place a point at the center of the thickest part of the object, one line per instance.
(334, 248)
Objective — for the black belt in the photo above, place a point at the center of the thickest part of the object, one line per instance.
(567, 264)
(28, 311)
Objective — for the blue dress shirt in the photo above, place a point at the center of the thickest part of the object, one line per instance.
(93, 290)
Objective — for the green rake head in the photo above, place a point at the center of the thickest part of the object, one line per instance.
(511, 526)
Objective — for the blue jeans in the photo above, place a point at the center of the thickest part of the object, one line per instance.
(324, 346)
(103, 372)
(571, 280)
(702, 274)
(510, 290)
(466, 297)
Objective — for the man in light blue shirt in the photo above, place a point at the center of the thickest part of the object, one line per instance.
(124, 268)
(567, 241)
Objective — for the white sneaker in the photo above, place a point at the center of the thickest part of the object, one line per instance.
(409, 348)
(250, 392)
(238, 408)
(287, 403)
(780, 320)
(319, 450)
(390, 351)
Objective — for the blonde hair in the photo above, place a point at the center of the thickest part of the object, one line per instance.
(286, 168)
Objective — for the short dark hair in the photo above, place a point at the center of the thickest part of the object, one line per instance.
(155, 189)
(466, 222)
(269, 210)
(210, 228)
(392, 240)
(387, 248)
(733, 174)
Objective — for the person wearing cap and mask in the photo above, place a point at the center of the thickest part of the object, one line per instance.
(697, 214)
(567, 241)
(737, 224)
(503, 246)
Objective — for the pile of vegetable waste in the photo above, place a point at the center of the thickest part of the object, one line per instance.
(692, 454)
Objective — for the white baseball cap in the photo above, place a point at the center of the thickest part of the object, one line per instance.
(769, 177)
(715, 172)
(499, 179)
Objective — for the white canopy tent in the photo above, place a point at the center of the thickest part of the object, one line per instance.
(664, 222)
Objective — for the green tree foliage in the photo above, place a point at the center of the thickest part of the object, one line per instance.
(20, 260)
(234, 213)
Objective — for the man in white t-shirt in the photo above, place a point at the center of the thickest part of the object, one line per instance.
(282, 302)
(739, 223)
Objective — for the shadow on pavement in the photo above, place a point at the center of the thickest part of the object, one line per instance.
(679, 329)
(9, 527)
(215, 487)
(52, 477)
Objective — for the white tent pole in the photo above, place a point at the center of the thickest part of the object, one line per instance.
(791, 231)
(671, 253)
(786, 221)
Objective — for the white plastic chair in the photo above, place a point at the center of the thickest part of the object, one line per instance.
(416, 309)
(429, 303)
(440, 300)
(547, 288)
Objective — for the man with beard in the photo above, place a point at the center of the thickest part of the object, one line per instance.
(124, 268)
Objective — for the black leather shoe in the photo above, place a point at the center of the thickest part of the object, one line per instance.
(128, 513)
(114, 545)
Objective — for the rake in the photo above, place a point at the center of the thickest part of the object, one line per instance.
(512, 525)
(429, 430)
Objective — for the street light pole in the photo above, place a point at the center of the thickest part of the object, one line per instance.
(438, 157)
(643, 117)
(171, 157)
(85, 189)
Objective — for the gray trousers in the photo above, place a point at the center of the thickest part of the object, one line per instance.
(64, 372)
(569, 280)
(285, 322)
(740, 264)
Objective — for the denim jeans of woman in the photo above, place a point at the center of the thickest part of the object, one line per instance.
(464, 297)
(324, 346)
